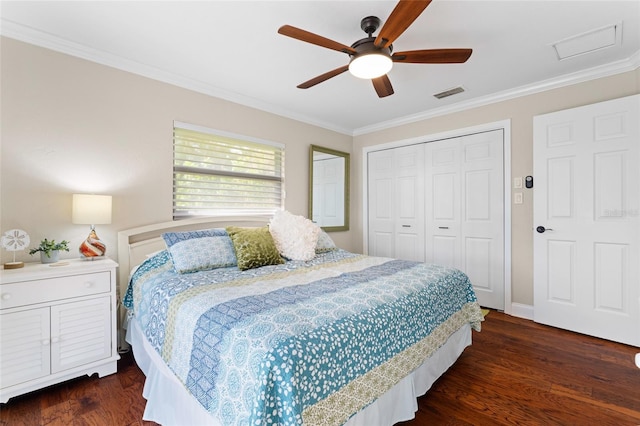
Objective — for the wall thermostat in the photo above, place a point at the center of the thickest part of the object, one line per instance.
(528, 182)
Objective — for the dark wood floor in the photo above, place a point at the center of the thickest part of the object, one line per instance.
(515, 373)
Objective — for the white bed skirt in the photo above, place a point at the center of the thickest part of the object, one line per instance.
(169, 403)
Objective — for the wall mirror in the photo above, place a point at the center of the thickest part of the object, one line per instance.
(329, 188)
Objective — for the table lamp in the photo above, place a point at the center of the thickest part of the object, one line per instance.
(89, 209)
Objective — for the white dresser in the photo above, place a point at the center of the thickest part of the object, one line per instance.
(57, 322)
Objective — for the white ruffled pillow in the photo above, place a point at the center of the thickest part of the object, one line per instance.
(295, 236)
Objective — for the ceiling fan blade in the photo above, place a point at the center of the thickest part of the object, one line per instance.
(433, 56)
(383, 86)
(323, 77)
(402, 16)
(312, 38)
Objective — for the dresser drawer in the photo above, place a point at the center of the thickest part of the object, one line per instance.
(49, 289)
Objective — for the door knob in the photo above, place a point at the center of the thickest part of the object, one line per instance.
(541, 229)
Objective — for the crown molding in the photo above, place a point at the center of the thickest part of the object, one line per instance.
(630, 64)
(29, 35)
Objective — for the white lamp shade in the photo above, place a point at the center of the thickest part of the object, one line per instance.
(372, 65)
(89, 209)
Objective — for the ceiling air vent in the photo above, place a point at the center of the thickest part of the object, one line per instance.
(449, 92)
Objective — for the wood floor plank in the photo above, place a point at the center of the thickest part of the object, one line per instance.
(520, 372)
(516, 372)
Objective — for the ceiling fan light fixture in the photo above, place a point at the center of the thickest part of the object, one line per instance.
(370, 65)
(371, 57)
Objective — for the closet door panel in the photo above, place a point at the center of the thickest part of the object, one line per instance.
(478, 262)
(482, 217)
(396, 203)
(444, 250)
(444, 191)
(381, 213)
(478, 196)
(442, 216)
(381, 243)
(409, 202)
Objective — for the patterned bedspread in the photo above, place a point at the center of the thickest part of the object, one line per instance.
(299, 343)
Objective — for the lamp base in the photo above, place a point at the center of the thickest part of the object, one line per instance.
(90, 258)
(93, 246)
(13, 265)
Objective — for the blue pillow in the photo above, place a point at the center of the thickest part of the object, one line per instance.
(203, 250)
(170, 238)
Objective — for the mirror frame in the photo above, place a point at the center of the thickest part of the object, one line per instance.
(346, 156)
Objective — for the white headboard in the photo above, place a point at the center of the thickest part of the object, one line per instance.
(135, 244)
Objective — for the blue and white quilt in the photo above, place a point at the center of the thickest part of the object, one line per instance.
(298, 343)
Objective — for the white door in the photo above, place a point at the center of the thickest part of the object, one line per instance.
(465, 210)
(396, 203)
(587, 220)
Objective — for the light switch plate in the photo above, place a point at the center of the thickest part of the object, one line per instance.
(517, 198)
(517, 182)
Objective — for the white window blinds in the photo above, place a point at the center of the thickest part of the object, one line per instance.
(218, 174)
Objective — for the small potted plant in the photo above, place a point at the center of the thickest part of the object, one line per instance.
(49, 250)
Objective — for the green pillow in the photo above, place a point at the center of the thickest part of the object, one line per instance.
(254, 247)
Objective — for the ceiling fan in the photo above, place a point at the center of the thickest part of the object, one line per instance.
(372, 57)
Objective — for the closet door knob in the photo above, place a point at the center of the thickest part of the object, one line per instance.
(542, 229)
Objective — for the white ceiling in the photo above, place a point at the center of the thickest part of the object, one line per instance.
(231, 49)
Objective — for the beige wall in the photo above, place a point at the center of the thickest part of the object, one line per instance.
(70, 125)
(521, 112)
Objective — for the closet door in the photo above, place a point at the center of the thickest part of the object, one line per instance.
(465, 210)
(396, 203)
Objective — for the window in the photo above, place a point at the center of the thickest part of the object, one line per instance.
(215, 173)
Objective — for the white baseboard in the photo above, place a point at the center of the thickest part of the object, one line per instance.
(522, 311)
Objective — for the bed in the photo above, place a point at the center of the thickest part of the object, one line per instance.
(339, 338)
